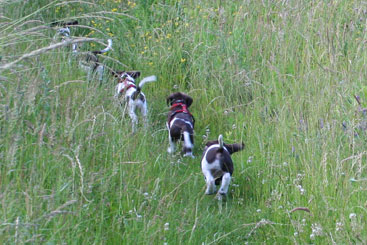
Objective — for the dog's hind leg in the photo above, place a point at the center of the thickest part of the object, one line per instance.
(187, 149)
(210, 185)
(134, 118)
(171, 148)
(226, 179)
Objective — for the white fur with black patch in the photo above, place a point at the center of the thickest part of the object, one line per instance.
(207, 169)
(217, 165)
(91, 67)
(134, 104)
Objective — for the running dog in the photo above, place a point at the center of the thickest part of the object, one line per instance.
(217, 165)
(180, 123)
(132, 94)
(88, 61)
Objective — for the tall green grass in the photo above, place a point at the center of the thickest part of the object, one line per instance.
(279, 76)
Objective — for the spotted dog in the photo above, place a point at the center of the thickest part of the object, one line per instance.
(88, 61)
(132, 94)
(180, 123)
(217, 165)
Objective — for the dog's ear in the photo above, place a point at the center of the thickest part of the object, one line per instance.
(188, 100)
(117, 73)
(171, 98)
(232, 148)
(133, 74)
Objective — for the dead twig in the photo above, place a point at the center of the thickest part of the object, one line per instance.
(45, 49)
(301, 209)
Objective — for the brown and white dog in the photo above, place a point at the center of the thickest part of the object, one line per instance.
(132, 94)
(217, 165)
(180, 123)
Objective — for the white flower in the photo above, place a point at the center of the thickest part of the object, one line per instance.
(339, 226)
(316, 229)
(352, 216)
(166, 226)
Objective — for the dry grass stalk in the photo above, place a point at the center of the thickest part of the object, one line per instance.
(45, 49)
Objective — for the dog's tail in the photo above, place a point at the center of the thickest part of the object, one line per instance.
(141, 84)
(220, 141)
(108, 48)
(147, 80)
(144, 81)
(231, 148)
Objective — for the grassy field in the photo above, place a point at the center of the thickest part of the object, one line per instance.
(280, 76)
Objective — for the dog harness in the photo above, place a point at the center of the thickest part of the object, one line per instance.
(128, 87)
(183, 110)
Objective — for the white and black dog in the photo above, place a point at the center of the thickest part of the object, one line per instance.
(88, 61)
(180, 123)
(217, 165)
(132, 94)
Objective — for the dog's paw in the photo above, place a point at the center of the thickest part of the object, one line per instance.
(222, 193)
(220, 197)
(209, 192)
(189, 154)
(170, 150)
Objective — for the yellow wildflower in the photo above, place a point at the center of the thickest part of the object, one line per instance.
(183, 60)
(114, 10)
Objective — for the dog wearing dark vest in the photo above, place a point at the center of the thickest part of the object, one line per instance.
(132, 94)
(180, 123)
(217, 165)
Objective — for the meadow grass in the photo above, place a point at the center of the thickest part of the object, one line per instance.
(280, 76)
